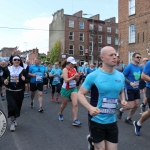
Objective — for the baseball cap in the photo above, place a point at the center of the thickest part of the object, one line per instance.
(22, 56)
(71, 60)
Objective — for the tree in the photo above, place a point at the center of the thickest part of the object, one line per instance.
(54, 53)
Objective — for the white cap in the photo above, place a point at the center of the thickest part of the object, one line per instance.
(22, 56)
(71, 60)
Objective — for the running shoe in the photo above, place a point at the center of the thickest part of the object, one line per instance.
(41, 109)
(142, 106)
(15, 122)
(120, 114)
(32, 104)
(28, 95)
(45, 92)
(25, 95)
(52, 99)
(129, 121)
(3, 98)
(60, 117)
(90, 145)
(12, 126)
(137, 128)
(76, 123)
(57, 100)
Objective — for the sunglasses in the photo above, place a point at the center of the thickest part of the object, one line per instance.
(138, 57)
(16, 59)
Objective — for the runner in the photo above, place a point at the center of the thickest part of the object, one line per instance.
(25, 66)
(14, 78)
(90, 69)
(56, 74)
(45, 79)
(36, 73)
(132, 74)
(142, 87)
(145, 76)
(69, 89)
(102, 107)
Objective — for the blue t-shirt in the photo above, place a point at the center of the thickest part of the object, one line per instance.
(147, 72)
(103, 95)
(133, 74)
(39, 71)
(80, 69)
(85, 69)
(90, 70)
(56, 78)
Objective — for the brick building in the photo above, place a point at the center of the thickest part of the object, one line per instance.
(133, 25)
(77, 34)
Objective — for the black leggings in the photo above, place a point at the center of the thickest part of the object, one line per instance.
(58, 86)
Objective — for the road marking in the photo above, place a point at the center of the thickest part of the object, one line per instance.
(88, 96)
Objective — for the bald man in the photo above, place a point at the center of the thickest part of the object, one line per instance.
(102, 107)
(142, 88)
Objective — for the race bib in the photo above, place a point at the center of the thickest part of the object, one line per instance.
(39, 77)
(72, 84)
(137, 84)
(14, 78)
(1, 72)
(109, 105)
(56, 79)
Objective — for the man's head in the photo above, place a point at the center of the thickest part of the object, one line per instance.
(136, 57)
(37, 60)
(108, 56)
(144, 60)
(23, 58)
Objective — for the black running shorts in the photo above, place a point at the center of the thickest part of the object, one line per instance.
(148, 95)
(34, 87)
(132, 95)
(101, 132)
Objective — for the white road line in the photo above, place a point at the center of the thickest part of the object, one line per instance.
(88, 96)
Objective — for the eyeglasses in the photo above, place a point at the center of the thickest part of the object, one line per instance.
(138, 57)
(16, 59)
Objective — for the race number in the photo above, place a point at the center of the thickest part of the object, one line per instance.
(3, 123)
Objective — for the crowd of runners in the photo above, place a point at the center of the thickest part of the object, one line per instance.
(70, 81)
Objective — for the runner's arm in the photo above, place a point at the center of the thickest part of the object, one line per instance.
(145, 77)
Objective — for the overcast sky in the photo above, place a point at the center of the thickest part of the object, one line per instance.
(37, 14)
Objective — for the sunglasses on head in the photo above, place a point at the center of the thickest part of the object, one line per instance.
(138, 57)
(16, 59)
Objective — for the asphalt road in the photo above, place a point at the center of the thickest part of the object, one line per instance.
(43, 131)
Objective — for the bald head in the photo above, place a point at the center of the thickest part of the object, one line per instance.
(144, 60)
(106, 49)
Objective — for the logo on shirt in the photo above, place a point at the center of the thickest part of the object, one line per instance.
(118, 81)
(137, 75)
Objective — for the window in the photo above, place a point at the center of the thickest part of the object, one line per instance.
(71, 36)
(71, 24)
(71, 49)
(81, 37)
(100, 28)
(116, 30)
(81, 50)
(81, 25)
(109, 29)
(99, 51)
(91, 26)
(90, 37)
(116, 41)
(90, 50)
(131, 7)
(132, 33)
(99, 38)
(130, 56)
(108, 40)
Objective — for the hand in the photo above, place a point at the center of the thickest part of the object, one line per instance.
(94, 111)
(123, 103)
(76, 75)
(6, 81)
(133, 84)
(33, 75)
(23, 78)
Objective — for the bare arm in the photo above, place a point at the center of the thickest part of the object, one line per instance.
(81, 96)
(123, 101)
(145, 77)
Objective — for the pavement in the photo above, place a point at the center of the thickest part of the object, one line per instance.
(43, 131)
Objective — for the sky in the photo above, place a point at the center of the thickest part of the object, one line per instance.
(20, 20)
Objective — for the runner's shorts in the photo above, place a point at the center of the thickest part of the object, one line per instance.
(148, 95)
(36, 86)
(100, 132)
(142, 84)
(45, 81)
(132, 95)
(67, 92)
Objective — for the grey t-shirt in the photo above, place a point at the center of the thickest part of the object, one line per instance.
(119, 68)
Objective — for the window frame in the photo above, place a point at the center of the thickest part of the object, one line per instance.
(72, 36)
(132, 34)
(100, 28)
(109, 29)
(90, 37)
(80, 36)
(108, 39)
(91, 26)
(99, 38)
(71, 23)
(81, 25)
(116, 43)
(71, 49)
(81, 50)
(131, 8)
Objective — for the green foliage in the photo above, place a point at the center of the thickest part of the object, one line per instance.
(54, 53)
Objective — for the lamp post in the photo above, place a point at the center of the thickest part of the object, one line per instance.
(92, 56)
(26, 45)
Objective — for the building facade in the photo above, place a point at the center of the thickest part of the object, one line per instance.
(78, 35)
(133, 26)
